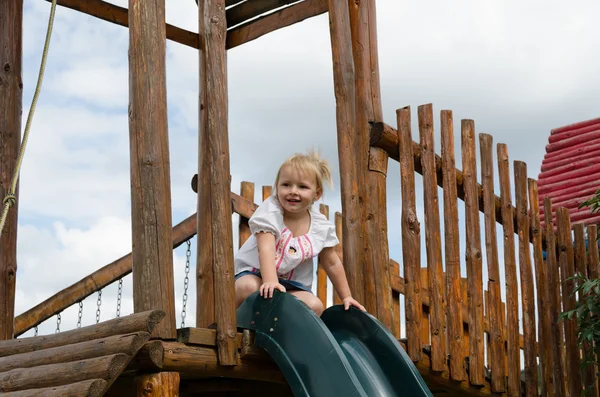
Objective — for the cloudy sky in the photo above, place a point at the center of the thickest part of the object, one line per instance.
(517, 69)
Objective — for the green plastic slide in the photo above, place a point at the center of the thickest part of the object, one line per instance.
(343, 353)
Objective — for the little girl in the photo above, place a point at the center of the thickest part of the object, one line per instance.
(287, 233)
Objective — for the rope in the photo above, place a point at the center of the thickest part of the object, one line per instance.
(11, 197)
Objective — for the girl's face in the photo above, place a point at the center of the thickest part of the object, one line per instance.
(296, 191)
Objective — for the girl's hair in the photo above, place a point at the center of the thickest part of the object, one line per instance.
(311, 163)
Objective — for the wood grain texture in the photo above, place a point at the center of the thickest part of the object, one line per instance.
(541, 279)
(247, 192)
(321, 275)
(567, 270)
(88, 388)
(510, 273)
(494, 316)
(11, 108)
(251, 9)
(214, 127)
(452, 251)
(411, 240)
(555, 305)
(339, 233)
(396, 326)
(433, 242)
(473, 254)
(526, 276)
(152, 252)
(160, 384)
(138, 322)
(343, 78)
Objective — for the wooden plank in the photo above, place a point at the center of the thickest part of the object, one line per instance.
(452, 247)
(553, 291)
(127, 344)
(161, 384)
(510, 272)
(541, 279)
(277, 20)
(473, 254)
(89, 388)
(214, 127)
(496, 340)
(396, 328)
(251, 9)
(202, 336)
(527, 288)
(411, 240)
(152, 255)
(425, 312)
(593, 273)
(247, 192)
(433, 243)
(376, 207)
(581, 268)
(11, 107)
(138, 322)
(107, 368)
(343, 78)
(321, 275)
(339, 250)
(567, 270)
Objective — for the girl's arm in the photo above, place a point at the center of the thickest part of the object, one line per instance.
(335, 271)
(266, 259)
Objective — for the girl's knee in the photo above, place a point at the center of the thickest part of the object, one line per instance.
(313, 303)
(246, 286)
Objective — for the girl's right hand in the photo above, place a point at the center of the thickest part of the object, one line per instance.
(266, 289)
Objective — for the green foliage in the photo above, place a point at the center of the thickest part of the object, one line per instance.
(587, 308)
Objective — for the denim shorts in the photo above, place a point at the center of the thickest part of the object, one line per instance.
(289, 285)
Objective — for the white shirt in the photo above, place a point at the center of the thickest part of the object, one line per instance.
(293, 255)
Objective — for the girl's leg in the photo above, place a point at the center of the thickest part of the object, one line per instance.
(311, 301)
(245, 286)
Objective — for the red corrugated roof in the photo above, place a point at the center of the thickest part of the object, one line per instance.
(571, 170)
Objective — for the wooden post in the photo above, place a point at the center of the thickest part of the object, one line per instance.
(340, 251)
(496, 341)
(321, 275)
(343, 77)
(247, 192)
(162, 384)
(267, 191)
(152, 252)
(433, 242)
(473, 254)
(11, 107)
(214, 133)
(454, 302)
(553, 291)
(510, 271)
(411, 240)
(527, 293)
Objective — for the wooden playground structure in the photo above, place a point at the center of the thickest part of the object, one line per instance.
(462, 336)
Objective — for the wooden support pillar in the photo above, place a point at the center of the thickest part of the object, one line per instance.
(162, 384)
(214, 201)
(11, 107)
(343, 78)
(152, 252)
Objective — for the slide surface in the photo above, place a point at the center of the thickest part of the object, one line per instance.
(343, 353)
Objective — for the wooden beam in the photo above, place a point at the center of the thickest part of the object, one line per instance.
(106, 368)
(343, 78)
(11, 107)
(138, 322)
(152, 254)
(128, 344)
(275, 21)
(161, 384)
(89, 388)
(251, 9)
(215, 178)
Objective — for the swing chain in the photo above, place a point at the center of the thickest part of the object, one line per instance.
(80, 314)
(186, 280)
(58, 319)
(99, 303)
(119, 297)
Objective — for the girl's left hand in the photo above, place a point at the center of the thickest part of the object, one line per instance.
(349, 301)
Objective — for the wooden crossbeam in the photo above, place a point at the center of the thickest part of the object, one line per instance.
(251, 9)
(235, 37)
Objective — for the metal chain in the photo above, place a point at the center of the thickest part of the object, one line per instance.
(80, 314)
(36, 331)
(57, 323)
(186, 280)
(119, 297)
(99, 303)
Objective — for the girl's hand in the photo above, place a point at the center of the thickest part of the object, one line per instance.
(349, 301)
(266, 289)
